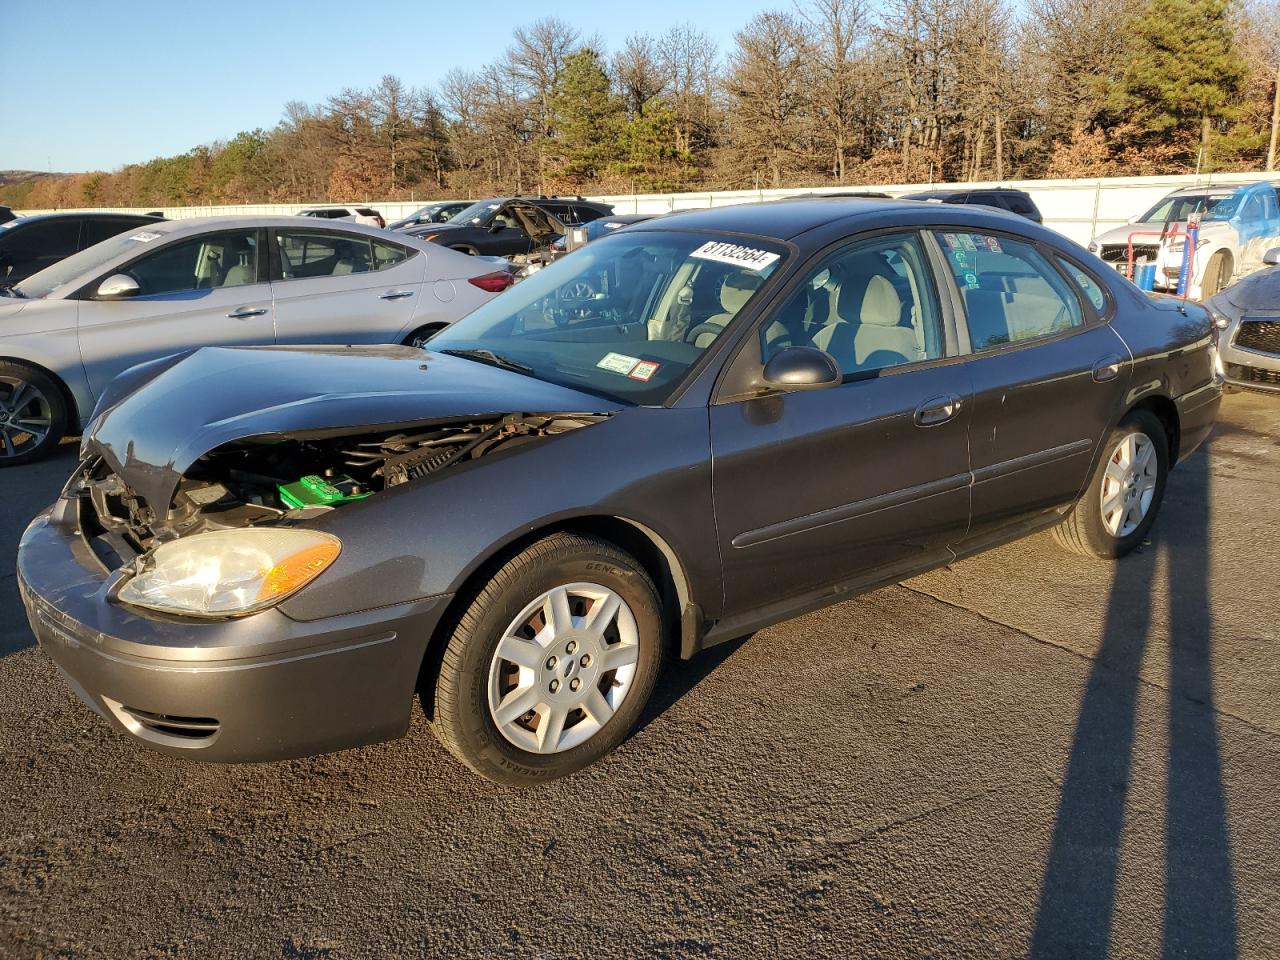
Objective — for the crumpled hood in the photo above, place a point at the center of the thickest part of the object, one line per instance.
(175, 410)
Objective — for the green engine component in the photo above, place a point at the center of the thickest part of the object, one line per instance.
(314, 491)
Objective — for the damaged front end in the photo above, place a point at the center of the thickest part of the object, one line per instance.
(277, 479)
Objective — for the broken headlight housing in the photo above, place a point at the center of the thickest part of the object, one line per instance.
(229, 573)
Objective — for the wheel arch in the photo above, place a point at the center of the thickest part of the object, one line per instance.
(73, 408)
(652, 551)
(1166, 411)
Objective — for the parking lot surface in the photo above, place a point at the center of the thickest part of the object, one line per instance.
(1027, 753)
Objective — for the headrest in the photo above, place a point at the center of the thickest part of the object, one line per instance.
(737, 289)
(881, 304)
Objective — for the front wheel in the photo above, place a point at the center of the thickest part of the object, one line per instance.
(1117, 509)
(1217, 275)
(551, 665)
(33, 414)
(420, 336)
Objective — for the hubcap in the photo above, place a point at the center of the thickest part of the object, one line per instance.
(1129, 484)
(25, 416)
(563, 667)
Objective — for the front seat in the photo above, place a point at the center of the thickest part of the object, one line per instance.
(243, 269)
(867, 333)
(735, 290)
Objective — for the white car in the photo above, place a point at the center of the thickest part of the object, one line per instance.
(366, 215)
(66, 331)
(1236, 225)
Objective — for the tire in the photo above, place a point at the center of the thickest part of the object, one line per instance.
(475, 680)
(420, 336)
(1217, 274)
(42, 409)
(1111, 534)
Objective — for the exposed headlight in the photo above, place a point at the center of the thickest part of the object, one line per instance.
(230, 572)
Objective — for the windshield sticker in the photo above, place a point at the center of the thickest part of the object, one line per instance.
(966, 241)
(992, 244)
(949, 239)
(644, 371)
(146, 236)
(749, 257)
(618, 363)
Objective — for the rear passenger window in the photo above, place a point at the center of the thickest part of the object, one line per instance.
(870, 306)
(306, 255)
(1087, 284)
(1011, 293)
(388, 255)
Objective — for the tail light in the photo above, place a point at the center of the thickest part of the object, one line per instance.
(494, 282)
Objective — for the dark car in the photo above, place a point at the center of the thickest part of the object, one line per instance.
(432, 213)
(512, 226)
(30, 244)
(1248, 314)
(582, 235)
(1003, 198)
(695, 428)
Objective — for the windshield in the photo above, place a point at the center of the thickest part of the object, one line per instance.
(87, 261)
(475, 213)
(625, 317)
(1181, 208)
(1226, 207)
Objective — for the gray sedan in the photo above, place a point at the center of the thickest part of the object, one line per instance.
(67, 331)
(1248, 313)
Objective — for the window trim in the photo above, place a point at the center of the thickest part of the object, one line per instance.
(745, 359)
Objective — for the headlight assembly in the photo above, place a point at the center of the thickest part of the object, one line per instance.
(229, 573)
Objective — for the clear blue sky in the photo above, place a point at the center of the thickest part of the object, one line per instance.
(93, 85)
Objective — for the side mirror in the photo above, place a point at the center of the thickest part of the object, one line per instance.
(801, 368)
(117, 287)
(1272, 257)
(497, 225)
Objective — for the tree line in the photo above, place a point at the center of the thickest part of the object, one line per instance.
(825, 92)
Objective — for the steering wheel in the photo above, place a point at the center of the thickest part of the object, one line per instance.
(698, 329)
(577, 290)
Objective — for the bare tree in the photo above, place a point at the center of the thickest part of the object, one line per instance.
(836, 29)
(769, 93)
(638, 72)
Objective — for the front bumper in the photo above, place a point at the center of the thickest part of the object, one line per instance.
(262, 687)
(1252, 369)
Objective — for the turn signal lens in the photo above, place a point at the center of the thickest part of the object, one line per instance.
(229, 573)
(493, 282)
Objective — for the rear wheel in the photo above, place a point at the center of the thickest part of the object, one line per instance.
(1117, 509)
(1217, 274)
(552, 664)
(33, 414)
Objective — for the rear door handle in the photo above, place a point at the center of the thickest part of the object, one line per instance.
(244, 313)
(937, 410)
(1108, 368)
(395, 295)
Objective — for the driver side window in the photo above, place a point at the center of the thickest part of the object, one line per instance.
(871, 305)
(227, 259)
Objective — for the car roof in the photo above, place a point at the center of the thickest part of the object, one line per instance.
(100, 214)
(1217, 189)
(787, 220)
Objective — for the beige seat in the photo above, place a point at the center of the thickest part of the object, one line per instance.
(867, 331)
(735, 290)
(243, 269)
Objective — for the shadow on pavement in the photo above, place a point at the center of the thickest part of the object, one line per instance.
(1078, 893)
(681, 676)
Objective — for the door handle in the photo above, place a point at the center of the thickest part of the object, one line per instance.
(395, 295)
(244, 313)
(1108, 368)
(938, 410)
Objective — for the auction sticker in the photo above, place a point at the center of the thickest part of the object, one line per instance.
(146, 236)
(644, 371)
(752, 258)
(618, 363)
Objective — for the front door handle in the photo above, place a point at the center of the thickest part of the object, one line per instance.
(938, 410)
(244, 313)
(395, 295)
(1108, 368)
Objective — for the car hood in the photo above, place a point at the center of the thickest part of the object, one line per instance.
(1258, 292)
(169, 413)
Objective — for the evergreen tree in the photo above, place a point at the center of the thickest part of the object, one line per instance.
(586, 118)
(1183, 69)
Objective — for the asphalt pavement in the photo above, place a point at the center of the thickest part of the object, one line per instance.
(1030, 753)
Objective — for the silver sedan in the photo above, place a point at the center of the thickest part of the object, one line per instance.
(168, 287)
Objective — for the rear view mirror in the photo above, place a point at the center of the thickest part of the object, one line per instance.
(1272, 257)
(118, 286)
(801, 368)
